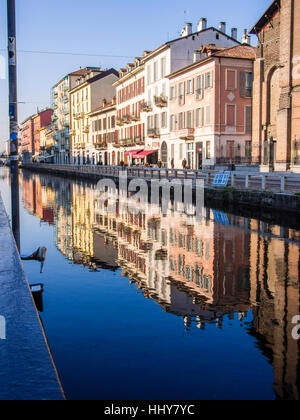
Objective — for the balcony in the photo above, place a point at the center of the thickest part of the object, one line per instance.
(120, 122)
(139, 141)
(154, 133)
(86, 129)
(161, 101)
(82, 145)
(79, 116)
(187, 134)
(100, 146)
(72, 132)
(135, 118)
(127, 119)
(146, 107)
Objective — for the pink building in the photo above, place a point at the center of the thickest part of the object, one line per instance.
(27, 136)
(211, 109)
(42, 119)
(30, 133)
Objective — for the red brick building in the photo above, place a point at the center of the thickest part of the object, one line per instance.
(276, 88)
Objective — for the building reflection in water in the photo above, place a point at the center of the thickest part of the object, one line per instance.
(202, 271)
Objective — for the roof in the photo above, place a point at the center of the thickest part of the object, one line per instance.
(108, 107)
(167, 44)
(269, 13)
(240, 51)
(243, 52)
(96, 78)
(80, 72)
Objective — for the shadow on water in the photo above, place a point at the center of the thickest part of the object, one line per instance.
(233, 270)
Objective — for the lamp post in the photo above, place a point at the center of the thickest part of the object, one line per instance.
(13, 119)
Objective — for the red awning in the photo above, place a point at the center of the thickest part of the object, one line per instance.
(133, 152)
(143, 154)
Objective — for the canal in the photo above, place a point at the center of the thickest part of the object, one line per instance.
(152, 306)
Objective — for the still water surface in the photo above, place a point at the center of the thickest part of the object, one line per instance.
(153, 307)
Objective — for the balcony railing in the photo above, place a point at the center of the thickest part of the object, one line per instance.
(146, 107)
(135, 117)
(100, 146)
(161, 101)
(154, 132)
(187, 134)
(82, 145)
(86, 129)
(120, 122)
(138, 140)
(127, 119)
(79, 115)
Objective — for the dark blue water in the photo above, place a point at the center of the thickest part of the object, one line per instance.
(211, 319)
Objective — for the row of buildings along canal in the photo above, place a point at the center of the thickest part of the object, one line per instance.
(200, 101)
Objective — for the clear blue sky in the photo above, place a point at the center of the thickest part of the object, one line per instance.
(117, 28)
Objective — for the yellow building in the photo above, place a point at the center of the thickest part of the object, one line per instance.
(47, 144)
(91, 89)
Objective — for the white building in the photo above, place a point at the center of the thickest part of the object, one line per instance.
(165, 60)
(60, 103)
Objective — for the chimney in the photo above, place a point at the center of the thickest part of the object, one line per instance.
(197, 56)
(187, 30)
(222, 27)
(104, 102)
(202, 25)
(234, 33)
(246, 38)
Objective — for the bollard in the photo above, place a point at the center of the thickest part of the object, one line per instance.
(247, 181)
(282, 184)
(233, 180)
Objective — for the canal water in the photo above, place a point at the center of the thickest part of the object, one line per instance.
(149, 306)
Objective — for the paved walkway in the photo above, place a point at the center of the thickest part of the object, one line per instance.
(26, 368)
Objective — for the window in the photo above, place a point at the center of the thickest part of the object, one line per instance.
(164, 120)
(155, 72)
(181, 97)
(190, 87)
(231, 79)
(208, 80)
(208, 150)
(248, 119)
(199, 117)
(248, 150)
(199, 87)
(230, 112)
(207, 115)
(149, 74)
(172, 93)
(163, 67)
(190, 119)
(172, 151)
(246, 82)
(181, 121)
(173, 122)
